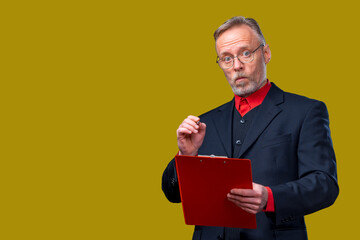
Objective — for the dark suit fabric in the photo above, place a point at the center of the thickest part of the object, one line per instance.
(290, 148)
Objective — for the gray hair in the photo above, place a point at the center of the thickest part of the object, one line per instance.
(238, 21)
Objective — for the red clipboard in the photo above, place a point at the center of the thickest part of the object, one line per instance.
(204, 183)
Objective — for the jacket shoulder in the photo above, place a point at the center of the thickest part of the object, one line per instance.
(293, 104)
(301, 102)
(215, 111)
(292, 98)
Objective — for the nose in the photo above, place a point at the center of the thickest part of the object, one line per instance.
(238, 65)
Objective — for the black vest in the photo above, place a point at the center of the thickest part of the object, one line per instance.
(240, 126)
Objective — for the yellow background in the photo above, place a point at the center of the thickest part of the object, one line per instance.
(92, 93)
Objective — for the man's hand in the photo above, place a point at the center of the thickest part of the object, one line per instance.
(251, 200)
(190, 135)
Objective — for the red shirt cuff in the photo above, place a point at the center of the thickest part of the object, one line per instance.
(270, 206)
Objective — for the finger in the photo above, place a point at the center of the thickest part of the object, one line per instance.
(252, 205)
(244, 192)
(191, 123)
(252, 211)
(257, 187)
(189, 127)
(246, 200)
(182, 131)
(202, 126)
(248, 208)
(193, 118)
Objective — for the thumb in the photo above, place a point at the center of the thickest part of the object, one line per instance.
(202, 126)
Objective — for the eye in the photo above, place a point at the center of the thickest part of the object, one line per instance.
(227, 59)
(246, 53)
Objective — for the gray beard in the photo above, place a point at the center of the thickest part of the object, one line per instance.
(245, 89)
(244, 92)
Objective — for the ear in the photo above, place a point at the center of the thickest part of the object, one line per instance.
(267, 54)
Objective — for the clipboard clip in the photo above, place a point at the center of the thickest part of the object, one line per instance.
(212, 155)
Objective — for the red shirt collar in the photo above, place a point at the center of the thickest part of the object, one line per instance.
(254, 99)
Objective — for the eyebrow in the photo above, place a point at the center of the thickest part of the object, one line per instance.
(225, 53)
(247, 47)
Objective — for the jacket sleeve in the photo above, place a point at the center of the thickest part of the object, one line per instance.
(316, 187)
(170, 184)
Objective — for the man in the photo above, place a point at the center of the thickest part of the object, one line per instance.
(286, 137)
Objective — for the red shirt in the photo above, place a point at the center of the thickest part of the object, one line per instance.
(252, 102)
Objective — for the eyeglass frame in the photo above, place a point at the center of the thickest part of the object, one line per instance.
(233, 57)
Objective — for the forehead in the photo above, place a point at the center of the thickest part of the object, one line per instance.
(236, 37)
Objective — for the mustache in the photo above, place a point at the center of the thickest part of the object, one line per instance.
(238, 75)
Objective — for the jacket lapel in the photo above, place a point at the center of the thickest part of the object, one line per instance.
(267, 111)
(223, 125)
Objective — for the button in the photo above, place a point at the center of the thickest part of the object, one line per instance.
(285, 220)
(173, 182)
(242, 121)
(238, 142)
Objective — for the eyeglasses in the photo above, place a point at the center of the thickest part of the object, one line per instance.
(245, 56)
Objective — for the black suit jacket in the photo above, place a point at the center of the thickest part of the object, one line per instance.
(291, 151)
